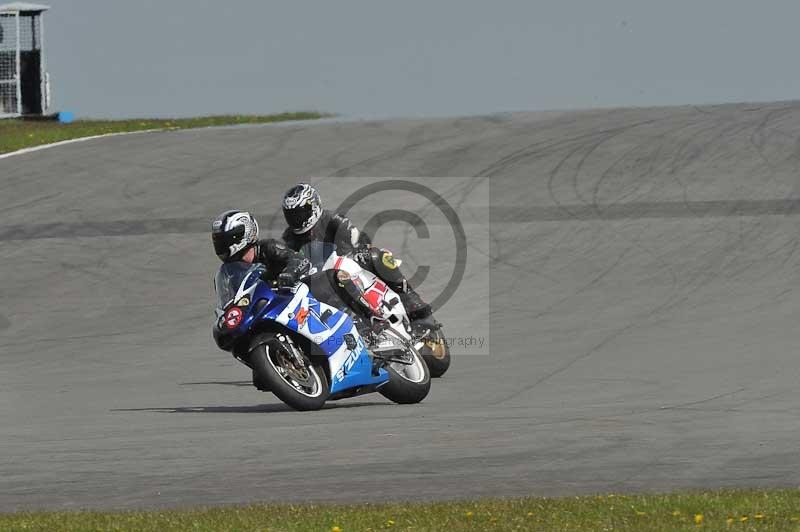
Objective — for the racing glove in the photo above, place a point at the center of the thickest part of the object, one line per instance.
(362, 256)
(286, 280)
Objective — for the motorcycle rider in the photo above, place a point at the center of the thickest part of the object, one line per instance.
(235, 237)
(234, 234)
(308, 221)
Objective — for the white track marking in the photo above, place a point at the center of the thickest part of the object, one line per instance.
(286, 123)
(32, 149)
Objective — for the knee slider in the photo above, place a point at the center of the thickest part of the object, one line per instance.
(385, 265)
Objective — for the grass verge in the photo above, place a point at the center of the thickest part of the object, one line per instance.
(722, 510)
(17, 134)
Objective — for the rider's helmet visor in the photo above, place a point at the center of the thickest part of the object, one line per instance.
(299, 217)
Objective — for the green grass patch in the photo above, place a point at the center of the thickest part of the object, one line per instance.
(723, 510)
(16, 134)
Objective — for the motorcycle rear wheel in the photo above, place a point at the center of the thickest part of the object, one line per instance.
(436, 352)
(302, 388)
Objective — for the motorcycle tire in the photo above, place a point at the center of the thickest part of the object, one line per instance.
(408, 384)
(436, 354)
(267, 358)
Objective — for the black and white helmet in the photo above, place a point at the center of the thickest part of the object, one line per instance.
(302, 207)
(232, 233)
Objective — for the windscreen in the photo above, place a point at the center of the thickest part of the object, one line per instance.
(230, 277)
(317, 253)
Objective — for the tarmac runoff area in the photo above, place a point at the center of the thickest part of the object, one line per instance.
(631, 274)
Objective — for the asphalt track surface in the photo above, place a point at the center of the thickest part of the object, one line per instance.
(643, 317)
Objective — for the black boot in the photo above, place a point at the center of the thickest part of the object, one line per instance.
(423, 327)
(415, 307)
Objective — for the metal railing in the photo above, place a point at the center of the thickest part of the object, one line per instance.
(10, 89)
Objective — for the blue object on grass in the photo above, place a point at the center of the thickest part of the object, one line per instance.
(66, 117)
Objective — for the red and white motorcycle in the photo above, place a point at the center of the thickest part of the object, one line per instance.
(426, 336)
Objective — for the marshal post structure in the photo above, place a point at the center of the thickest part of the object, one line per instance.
(24, 83)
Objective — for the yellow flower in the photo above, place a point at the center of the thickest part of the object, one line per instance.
(335, 528)
(698, 519)
(640, 514)
(676, 513)
(469, 515)
(389, 523)
(530, 514)
(743, 518)
(759, 516)
(729, 521)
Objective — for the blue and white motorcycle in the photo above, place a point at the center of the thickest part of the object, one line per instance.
(305, 351)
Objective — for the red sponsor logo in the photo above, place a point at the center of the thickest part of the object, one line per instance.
(233, 317)
(301, 316)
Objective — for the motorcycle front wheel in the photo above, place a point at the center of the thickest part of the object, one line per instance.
(301, 384)
(408, 383)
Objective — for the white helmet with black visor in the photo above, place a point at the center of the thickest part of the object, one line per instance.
(233, 233)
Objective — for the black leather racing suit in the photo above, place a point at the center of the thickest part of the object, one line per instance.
(331, 227)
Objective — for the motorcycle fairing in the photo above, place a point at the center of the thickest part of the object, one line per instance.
(301, 312)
